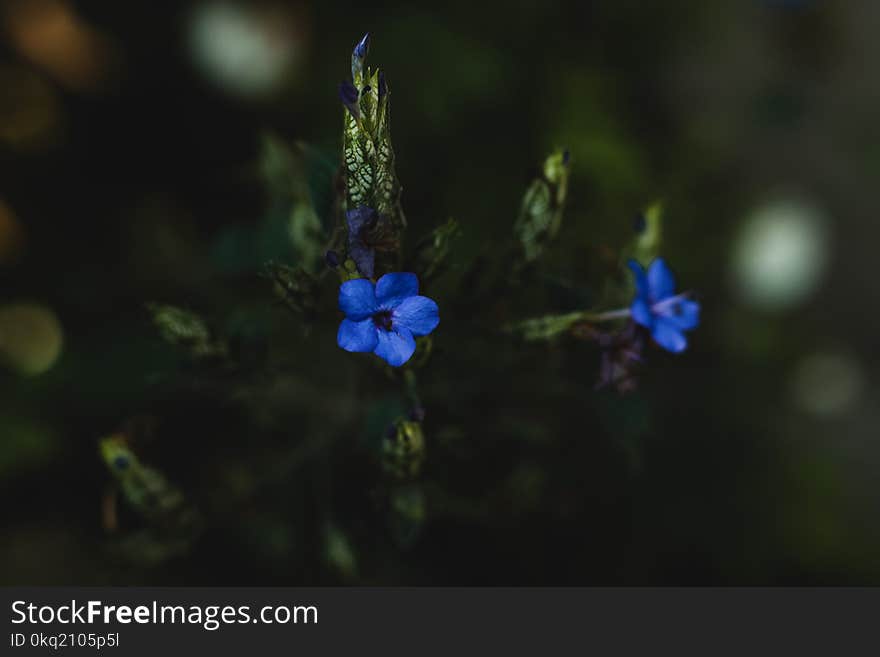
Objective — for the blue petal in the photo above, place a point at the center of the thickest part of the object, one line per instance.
(357, 336)
(357, 299)
(419, 314)
(358, 217)
(641, 280)
(641, 313)
(364, 257)
(668, 336)
(684, 314)
(396, 346)
(393, 288)
(348, 94)
(661, 282)
(383, 86)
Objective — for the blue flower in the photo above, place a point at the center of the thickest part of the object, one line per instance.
(656, 306)
(385, 318)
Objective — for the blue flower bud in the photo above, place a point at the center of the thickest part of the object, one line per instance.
(383, 87)
(358, 55)
(360, 50)
(640, 223)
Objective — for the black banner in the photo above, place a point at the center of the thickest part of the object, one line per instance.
(228, 621)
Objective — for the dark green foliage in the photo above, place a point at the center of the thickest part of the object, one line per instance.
(187, 330)
(541, 213)
(296, 288)
(162, 186)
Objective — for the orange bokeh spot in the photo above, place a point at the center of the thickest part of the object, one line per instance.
(52, 37)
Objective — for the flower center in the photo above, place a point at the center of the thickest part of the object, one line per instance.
(382, 320)
(670, 304)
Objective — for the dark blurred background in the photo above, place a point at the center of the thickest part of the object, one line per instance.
(130, 172)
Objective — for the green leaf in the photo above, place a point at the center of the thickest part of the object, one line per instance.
(645, 246)
(432, 252)
(540, 214)
(147, 490)
(339, 553)
(187, 330)
(299, 181)
(403, 449)
(407, 514)
(547, 327)
(296, 287)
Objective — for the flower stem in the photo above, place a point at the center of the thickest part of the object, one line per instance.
(412, 388)
(607, 316)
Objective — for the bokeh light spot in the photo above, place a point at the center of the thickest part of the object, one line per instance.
(827, 384)
(247, 51)
(52, 36)
(31, 338)
(780, 255)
